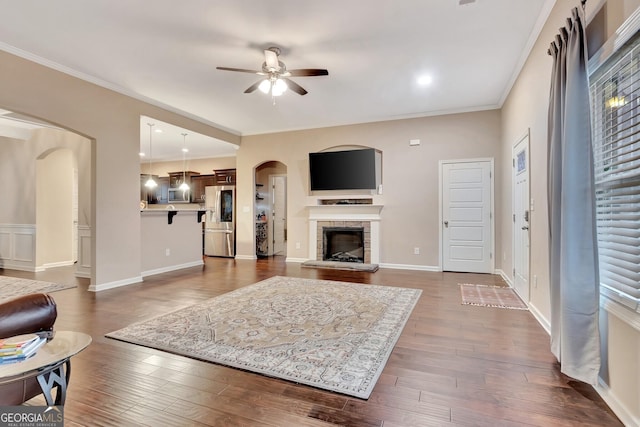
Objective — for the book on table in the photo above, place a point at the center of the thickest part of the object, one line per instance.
(21, 347)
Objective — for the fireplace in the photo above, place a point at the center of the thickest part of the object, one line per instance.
(344, 241)
(343, 244)
(345, 214)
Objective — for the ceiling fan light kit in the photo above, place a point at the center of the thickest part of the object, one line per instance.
(276, 75)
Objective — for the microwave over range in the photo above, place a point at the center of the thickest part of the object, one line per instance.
(177, 195)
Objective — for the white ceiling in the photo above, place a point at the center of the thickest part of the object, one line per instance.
(166, 52)
(167, 142)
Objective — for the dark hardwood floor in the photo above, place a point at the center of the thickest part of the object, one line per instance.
(454, 365)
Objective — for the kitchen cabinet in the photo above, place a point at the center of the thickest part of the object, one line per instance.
(225, 176)
(198, 185)
(162, 190)
(146, 194)
(159, 194)
(176, 178)
(176, 195)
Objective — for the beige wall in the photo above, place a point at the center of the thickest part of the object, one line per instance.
(43, 166)
(53, 195)
(112, 120)
(410, 177)
(166, 246)
(525, 109)
(18, 164)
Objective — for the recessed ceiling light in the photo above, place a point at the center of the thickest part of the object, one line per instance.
(141, 154)
(425, 80)
(185, 150)
(158, 131)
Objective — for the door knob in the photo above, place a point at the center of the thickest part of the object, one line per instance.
(525, 227)
(446, 223)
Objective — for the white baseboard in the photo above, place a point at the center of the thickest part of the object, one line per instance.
(116, 284)
(504, 276)
(57, 264)
(543, 321)
(83, 274)
(138, 279)
(171, 268)
(247, 257)
(410, 267)
(621, 411)
(8, 265)
(296, 260)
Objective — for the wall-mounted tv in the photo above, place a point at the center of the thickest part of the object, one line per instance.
(345, 170)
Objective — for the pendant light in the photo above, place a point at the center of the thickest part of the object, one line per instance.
(150, 184)
(184, 186)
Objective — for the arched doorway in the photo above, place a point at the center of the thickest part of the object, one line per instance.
(56, 208)
(271, 209)
(50, 205)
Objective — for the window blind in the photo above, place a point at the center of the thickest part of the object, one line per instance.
(615, 116)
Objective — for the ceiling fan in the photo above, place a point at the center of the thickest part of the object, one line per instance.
(276, 75)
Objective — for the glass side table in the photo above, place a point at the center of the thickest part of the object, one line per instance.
(51, 365)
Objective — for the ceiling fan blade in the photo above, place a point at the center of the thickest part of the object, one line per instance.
(253, 87)
(242, 70)
(271, 59)
(295, 87)
(308, 72)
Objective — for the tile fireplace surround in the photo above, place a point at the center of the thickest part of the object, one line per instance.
(365, 226)
(345, 215)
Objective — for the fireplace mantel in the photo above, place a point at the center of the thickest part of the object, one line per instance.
(345, 212)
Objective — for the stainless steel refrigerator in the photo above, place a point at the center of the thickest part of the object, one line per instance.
(220, 221)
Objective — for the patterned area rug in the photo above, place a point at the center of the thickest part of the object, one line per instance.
(491, 296)
(12, 287)
(331, 335)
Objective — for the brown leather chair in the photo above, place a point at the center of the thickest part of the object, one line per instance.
(34, 313)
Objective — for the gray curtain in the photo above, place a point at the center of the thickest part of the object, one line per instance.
(573, 250)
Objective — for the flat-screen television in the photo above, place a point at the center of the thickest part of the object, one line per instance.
(345, 170)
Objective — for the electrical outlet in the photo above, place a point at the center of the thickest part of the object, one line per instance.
(297, 245)
(535, 280)
(416, 251)
(167, 252)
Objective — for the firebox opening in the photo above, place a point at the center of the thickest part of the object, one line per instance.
(343, 244)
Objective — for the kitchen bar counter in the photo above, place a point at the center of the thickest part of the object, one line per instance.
(171, 239)
(173, 207)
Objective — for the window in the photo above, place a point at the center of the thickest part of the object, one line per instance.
(615, 115)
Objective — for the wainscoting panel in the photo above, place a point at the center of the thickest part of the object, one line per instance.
(83, 267)
(18, 246)
(5, 244)
(24, 245)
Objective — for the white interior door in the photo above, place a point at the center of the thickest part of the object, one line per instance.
(279, 214)
(467, 221)
(521, 217)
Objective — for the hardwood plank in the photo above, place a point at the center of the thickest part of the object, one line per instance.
(453, 365)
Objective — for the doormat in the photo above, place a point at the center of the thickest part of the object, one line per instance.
(332, 335)
(491, 296)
